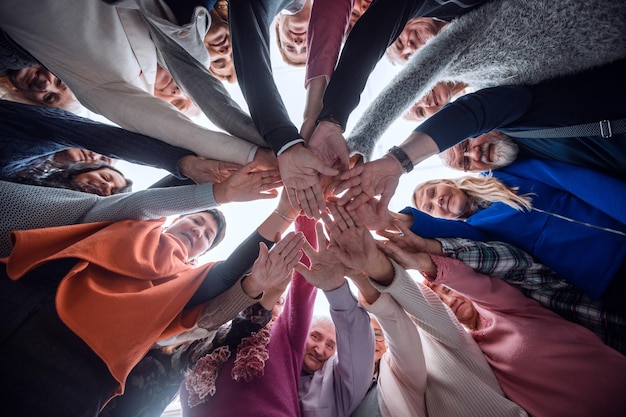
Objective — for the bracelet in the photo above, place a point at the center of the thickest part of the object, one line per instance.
(284, 217)
(402, 157)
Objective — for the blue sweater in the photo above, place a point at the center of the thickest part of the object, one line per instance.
(583, 254)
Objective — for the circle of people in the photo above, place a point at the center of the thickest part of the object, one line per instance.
(517, 306)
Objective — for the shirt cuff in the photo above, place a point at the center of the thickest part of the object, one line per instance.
(251, 154)
(289, 145)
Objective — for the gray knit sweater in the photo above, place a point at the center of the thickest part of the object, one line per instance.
(501, 42)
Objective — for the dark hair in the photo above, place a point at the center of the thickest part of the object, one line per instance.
(62, 176)
(220, 221)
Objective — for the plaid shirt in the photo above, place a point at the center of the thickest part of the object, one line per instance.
(537, 281)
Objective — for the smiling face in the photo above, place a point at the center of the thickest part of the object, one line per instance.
(79, 155)
(438, 97)
(491, 150)
(41, 86)
(320, 346)
(196, 232)
(414, 35)
(217, 43)
(291, 33)
(106, 181)
(461, 306)
(442, 199)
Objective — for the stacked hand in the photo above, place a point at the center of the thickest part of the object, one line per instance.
(327, 271)
(410, 250)
(355, 246)
(300, 169)
(273, 267)
(366, 181)
(247, 184)
(202, 171)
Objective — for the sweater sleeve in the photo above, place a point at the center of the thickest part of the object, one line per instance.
(476, 113)
(405, 355)
(327, 26)
(25, 127)
(427, 310)
(138, 111)
(414, 81)
(353, 364)
(152, 203)
(379, 26)
(299, 303)
(250, 21)
(430, 227)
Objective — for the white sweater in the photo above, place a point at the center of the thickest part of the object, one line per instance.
(458, 379)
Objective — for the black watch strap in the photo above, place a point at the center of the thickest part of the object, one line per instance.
(402, 157)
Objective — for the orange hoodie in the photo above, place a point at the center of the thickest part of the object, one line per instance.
(126, 291)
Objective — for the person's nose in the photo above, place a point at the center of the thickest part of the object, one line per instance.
(440, 201)
(105, 187)
(473, 153)
(42, 84)
(318, 348)
(176, 92)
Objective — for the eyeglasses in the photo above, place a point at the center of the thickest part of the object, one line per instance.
(379, 337)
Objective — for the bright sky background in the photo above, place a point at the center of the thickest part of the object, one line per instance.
(243, 218)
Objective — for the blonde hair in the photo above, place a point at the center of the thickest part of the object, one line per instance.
(482, 192)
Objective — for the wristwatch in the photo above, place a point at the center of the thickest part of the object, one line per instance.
(402, 157)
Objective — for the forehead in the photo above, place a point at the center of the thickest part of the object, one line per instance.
(375, 324)
(207, 217)
(324, 328)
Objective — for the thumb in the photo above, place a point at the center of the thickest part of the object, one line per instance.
(249, 167)
(317, 164)
(263, 252)
(303, 270)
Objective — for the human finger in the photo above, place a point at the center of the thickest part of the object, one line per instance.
(358, 201)
(293, 198)
(349, 186)
(346, 216)
(329, 224)
(322, 241)
(315, 203)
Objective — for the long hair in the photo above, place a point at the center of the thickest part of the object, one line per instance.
(63, 176)
(484, 191)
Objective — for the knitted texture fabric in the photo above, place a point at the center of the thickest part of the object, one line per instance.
(501, 42)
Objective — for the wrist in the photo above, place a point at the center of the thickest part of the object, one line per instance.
(380, 269)
(184, 165)
(250, 288)
(331, 122)
(287, 215)
(332, 284)
(401, 156)
(219, 193)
